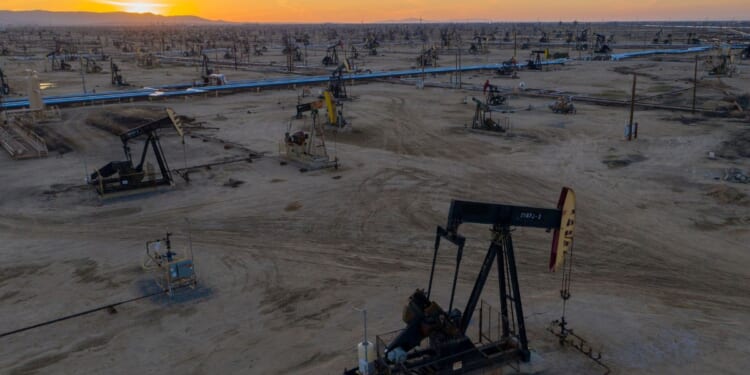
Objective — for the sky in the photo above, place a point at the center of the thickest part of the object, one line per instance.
(391, 10)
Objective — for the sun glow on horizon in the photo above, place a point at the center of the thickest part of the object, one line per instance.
(138, 6)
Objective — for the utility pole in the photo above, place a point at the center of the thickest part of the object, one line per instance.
(455, 75)
(459, 66)
(3, 120)
(695, 81)
(421, 59)
(83, 78)
(632, 109)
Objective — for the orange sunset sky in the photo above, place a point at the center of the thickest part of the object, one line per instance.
(384, 10)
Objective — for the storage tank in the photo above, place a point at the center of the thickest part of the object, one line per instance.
(365, 355)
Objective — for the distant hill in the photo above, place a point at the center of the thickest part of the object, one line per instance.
(45, 18)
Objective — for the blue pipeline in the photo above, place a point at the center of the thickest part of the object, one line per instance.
(187, 89)
(628, 55)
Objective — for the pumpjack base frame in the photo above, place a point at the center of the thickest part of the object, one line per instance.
(482, 357)
(115, 192)
(308, 165)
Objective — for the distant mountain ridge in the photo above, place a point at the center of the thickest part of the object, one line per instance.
(47, 18)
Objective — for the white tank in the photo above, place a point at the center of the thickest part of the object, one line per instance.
(365, 355)
(33, 91)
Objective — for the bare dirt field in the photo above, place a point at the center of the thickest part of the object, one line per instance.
(661, 281)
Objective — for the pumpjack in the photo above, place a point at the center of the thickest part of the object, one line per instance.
(722, 65)
(508, 68)
(120, 176)
(601, 45)
(307, 148)
(353, 52)
(336, 83)
(536, 63)
(483, 118)
(582, 40)
(91, 66)
(692, 39)
(449, 349)
(479, 46)
(116, 74)
(206, 71)
(544, 38)
(332, 55)
(4, 88)
(291, 50)
(372, 45)
(335, 110)
(58, 64)
(258, 50)
(563, 104)
(657, 39)
(492, 94)
(4, 91)
(428, 57)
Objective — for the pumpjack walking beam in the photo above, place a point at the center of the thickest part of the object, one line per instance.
(501, 217)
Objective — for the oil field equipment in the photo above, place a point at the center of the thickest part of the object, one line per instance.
(479, 47)
(258, 50)
(721, 65)
(691, 39)
(209, 76)
(308, 148)
(307, 107)
(428, 57)
(492, 95)
(116, 74)
(335, 111)
(563, 104)
(657, 38)
(508, 68)
(483, 118)
(336, 84)
(544, 38)
(332, 54)
(668, 40)
(291, 48)
(91, 66)
(601, 46)
(57, 62)
(371, 45)
(146, 60)
(119, 176)
(449, 349)
(582, 40)
(536, 63)
(4, 91)
(4, 87)
(173, 271)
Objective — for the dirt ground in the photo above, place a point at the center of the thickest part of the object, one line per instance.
(661, 282)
